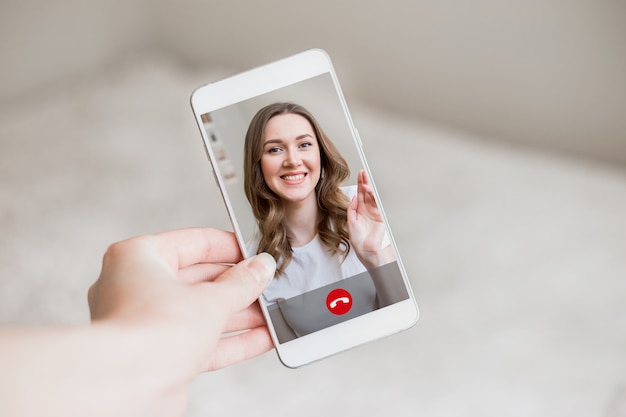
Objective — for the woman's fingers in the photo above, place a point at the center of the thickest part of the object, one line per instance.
(249, 318)
(239, 286)
(201, 273)
(185, 247)
(240, 347)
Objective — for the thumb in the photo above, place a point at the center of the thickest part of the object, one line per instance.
(241, 285)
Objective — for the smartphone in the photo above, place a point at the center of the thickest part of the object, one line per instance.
(293, 175)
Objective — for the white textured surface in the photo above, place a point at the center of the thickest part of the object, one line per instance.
(518, 259)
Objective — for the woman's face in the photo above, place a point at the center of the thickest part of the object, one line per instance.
(290, 162)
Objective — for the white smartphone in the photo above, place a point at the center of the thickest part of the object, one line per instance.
(290, 165)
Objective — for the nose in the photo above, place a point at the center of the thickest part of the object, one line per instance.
(292, 159)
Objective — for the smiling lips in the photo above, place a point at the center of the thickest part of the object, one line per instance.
(293, 177)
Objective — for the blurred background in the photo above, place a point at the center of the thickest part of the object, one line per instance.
(496, 133)
(544, 73)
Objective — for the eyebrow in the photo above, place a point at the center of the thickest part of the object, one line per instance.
(300, 137)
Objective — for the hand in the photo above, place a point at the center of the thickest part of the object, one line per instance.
(159, 309)
(365, 224)
(179, 284)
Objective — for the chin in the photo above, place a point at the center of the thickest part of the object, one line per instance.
(295, 198)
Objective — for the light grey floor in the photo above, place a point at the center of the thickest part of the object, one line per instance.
(518, 258)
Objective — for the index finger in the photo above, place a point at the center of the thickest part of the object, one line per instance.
(186, 247)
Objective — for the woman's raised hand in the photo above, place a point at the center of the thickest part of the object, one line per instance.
(365, 224)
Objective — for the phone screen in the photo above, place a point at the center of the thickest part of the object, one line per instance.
(297, 185)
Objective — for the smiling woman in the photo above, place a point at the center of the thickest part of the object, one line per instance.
(293, 176)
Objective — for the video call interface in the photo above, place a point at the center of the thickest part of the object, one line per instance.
(319, 287)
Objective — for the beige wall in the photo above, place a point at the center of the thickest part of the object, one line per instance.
(42, 42)
(547, 73)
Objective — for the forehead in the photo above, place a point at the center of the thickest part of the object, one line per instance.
(286, 126)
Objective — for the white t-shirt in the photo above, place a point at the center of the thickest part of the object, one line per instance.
(313, 266)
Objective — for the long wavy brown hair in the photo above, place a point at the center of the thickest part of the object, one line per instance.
(267, 206)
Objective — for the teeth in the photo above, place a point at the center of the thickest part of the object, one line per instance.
(293, 177)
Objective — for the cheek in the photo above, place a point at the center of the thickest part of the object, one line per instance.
(315, 163)
(267, 168)
(315, 166)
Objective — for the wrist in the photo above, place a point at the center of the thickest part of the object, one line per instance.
(159, 351)
(71, 368)
(374, 259)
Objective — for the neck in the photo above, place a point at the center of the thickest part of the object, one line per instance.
(301, 221)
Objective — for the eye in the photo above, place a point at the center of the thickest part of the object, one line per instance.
(306, 144)
(274, 149)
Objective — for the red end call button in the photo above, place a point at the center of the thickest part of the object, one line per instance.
(339, 301)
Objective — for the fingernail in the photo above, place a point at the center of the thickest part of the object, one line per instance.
(263, 267)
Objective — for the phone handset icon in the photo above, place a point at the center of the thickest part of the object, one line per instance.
(333, 303)
(339, 301)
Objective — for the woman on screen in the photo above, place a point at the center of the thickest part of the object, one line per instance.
(318, 231)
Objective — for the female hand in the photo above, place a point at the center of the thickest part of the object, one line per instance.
(365, 225)
(179, 284)
(159, 309)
